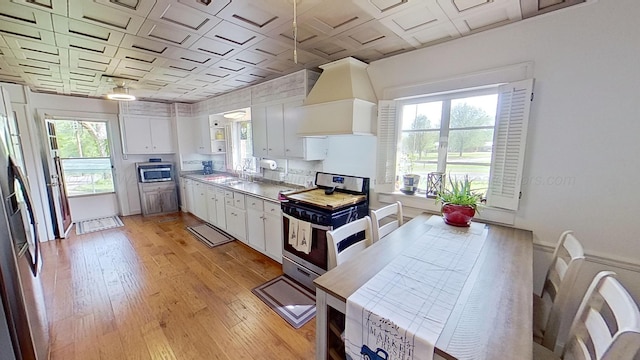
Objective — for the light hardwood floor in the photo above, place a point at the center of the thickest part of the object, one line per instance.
(149, 290)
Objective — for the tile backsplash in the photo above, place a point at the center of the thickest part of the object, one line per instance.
(297, 172)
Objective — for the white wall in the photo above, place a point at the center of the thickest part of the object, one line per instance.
(581, 168)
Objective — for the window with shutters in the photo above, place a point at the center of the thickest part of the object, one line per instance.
(477, 133)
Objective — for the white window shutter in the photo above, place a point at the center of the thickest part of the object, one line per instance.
(510, 135)
(387, 146)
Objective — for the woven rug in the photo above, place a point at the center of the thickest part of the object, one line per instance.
(92, 225)
(210, 235)
(295, 304)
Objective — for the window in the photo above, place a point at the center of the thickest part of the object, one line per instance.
(479, 133)
(83, 147)
(451, 134)
(240, 146)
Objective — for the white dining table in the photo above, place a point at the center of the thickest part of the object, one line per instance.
(491, 317)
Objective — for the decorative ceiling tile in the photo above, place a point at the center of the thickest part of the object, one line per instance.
(26, 32)
(102, 15)
(90, 46)
(87, 31)
(157, 31)
(189, 50)
(24, 15)
(257, 16)
(211, 7)
(184, 17)
(271, 47)
(213, 47)
(234, 35)
(126, 54)
(330, 22)
(136, 7)
(52, 6)
(87, 61)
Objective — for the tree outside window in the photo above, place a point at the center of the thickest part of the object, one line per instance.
(83, 147)
(464, 125)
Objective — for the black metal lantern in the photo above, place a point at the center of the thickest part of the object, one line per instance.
(435, 183)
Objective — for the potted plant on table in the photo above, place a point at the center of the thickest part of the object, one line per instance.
(459, 202)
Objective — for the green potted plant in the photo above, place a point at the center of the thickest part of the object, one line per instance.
(459, 202)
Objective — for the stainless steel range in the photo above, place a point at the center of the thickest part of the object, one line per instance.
(336, 200)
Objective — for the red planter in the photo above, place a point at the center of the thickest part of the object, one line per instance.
(458, 215)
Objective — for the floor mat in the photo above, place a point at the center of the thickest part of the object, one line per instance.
(295, 304)
(92, 225)
(209, 235)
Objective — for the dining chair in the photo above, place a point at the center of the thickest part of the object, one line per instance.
(606, 326)
(550, 315)
(335, 238)
(381, 229)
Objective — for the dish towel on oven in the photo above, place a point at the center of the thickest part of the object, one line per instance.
(292, 237)
(401, 311)
(304, 237)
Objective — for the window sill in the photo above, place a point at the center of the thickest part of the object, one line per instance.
(420, 203)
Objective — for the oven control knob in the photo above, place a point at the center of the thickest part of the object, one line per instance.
(314, 218)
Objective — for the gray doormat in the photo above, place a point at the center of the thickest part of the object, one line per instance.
(92, 225)
(210, 235)
(294, 303)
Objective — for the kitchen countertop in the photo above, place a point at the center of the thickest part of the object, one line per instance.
(265, 190)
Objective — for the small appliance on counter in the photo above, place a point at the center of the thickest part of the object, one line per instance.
(207, 167)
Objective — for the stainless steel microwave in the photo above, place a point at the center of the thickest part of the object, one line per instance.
(154, 171)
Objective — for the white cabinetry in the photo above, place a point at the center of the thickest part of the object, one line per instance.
(267, 125)
(212, 217)
(275, 135)
(236, 215)
(221, 214)
(273, 230)
(265, 227)
(255, 223)
(147, 135)
(187, 197)
(212, 138)
(200, 200)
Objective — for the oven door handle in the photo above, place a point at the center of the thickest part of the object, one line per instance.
(320, 227)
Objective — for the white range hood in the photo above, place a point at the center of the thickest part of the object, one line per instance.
(342, 101)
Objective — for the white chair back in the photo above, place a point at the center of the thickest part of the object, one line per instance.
(381, 229)
(561, 275)
(336, 236)
(607, 325)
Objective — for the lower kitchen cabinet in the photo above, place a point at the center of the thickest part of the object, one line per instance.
(273, 230)
(221, 213)
(187, 197)
(158, 199)
(255, 223)
(212, 217)
(265, 227)
(236, 215)
(200, 200)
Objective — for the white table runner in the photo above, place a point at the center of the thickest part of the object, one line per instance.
(401, 311)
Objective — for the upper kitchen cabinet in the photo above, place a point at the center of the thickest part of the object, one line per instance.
(147, 135)
(275, 135)
(275, 115)
(268, 135)
(146, 128)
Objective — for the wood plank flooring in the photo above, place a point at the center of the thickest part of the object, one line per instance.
(150, 290)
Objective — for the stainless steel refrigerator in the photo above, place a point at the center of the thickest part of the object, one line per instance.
(24, 333)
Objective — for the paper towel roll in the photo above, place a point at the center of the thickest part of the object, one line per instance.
(268, 164)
